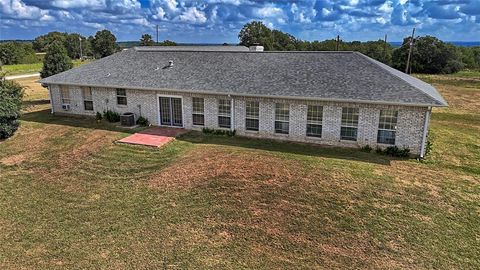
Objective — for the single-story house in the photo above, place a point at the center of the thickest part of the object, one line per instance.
(334, 98)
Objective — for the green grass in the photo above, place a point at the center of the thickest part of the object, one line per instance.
(30, 68)
(71, 198)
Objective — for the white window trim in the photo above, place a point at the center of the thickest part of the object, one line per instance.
(196, 113)
(62, 97)
(116, 97)
(282, 121)
(84, 99)
(252, 118)
(230, 115)
(158, 110)
(311, 122)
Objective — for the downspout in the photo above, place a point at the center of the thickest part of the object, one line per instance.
(425, 132)
(51, 99)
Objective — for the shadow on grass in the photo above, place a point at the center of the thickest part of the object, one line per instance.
(44, 116)
(305, 149)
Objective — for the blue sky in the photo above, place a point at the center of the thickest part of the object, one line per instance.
(215, 21)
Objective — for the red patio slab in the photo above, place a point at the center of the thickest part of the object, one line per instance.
(155, 136)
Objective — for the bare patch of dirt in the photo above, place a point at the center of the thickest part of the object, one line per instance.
(210, 162)
(13, 160)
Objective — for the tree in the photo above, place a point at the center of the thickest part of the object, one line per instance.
(429, 55)
(11, 94)
(104, 44)
(56, 60)
(167, 43)
(146, 40)
(72, 44)
(17, 53)
(256, 32)
(41, 43)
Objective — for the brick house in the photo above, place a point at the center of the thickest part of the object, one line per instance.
(334, 98)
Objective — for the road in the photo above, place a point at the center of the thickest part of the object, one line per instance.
(13, 77)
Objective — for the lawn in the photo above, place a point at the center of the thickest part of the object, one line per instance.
(71, 198)
(31, 68)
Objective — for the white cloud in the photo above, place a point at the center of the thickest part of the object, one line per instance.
(159, 14)
(269, 11)
(19, 10)
(193, 15)
(79, 3)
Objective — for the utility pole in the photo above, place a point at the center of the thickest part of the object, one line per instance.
(410, 51)
(338, 41)
(385, 48)
(157, 34)
(80, 40)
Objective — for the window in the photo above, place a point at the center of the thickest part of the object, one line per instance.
(349, 127)
(387, 126)
(65, 95)
(87, 99)
(224, 113)
(282, 116)
(198, 111)
(314, 121)
(121, 96)
(252, 114)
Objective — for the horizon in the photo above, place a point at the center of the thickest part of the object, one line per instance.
(219, 21)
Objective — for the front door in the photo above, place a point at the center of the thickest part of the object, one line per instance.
(170, 111)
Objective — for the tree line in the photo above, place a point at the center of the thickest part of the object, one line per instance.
(76, 46)
(429, 54)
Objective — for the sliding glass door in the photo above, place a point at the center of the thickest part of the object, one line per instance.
(170, 111)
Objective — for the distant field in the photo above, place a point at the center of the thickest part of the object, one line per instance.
(31, 68)
(72, 198)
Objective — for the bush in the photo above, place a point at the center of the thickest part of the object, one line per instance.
(367, 148)
(142, 121)
(219, 132)
(11, 94)
(111, 116)
(98, 116)
(394, 151)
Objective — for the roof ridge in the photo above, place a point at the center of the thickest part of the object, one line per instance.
(435, 95)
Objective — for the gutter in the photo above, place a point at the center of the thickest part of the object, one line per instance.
(258, 96)
(425, 132)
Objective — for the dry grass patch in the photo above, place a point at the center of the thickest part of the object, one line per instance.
(209, 162)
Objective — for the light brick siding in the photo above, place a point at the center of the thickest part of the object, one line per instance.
(142, 102)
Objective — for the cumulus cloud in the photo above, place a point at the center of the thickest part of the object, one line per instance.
(220, 20)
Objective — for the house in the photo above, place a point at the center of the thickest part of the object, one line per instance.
(335, 98)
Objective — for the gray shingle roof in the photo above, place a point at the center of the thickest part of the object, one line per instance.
(207, 48)
(336, 76)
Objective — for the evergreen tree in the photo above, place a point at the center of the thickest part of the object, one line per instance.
(56, 60)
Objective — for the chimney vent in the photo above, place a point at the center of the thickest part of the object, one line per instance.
(256, 48)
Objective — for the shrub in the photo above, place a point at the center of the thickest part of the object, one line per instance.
(11, 94)
(394, 151)
(219, 132)
(98, 116)
(367, 148)
(111, 116)
(142, 121)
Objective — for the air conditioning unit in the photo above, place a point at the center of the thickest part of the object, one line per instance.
(66, 107)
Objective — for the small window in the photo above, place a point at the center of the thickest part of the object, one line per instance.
(224, 113)
(387, 127)
(87, 99)
(252, 112)
(349, 127)
(314, 121)
(198, 111)
(65, 94)
(282, 117)
(121, 96)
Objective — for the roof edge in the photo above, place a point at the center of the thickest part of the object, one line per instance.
(257, 96)
(394, 72)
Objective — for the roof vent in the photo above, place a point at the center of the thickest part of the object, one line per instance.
(170, 63)
(256, 48)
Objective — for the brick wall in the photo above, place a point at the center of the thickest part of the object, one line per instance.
(140, 102)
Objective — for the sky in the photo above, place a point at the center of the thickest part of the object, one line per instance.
(218, 21)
